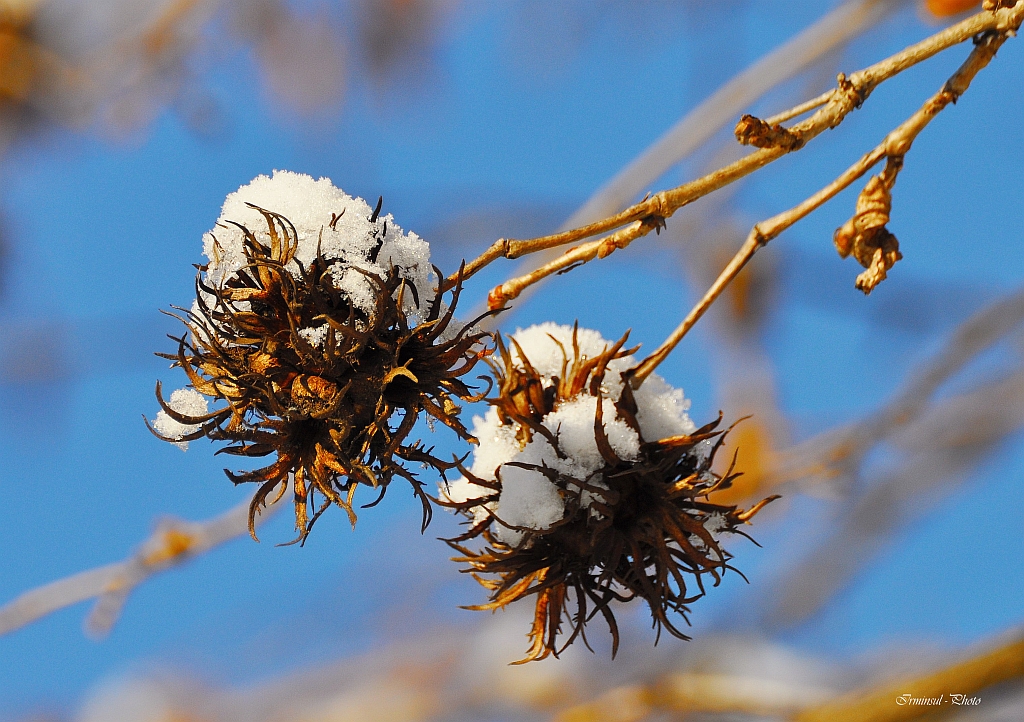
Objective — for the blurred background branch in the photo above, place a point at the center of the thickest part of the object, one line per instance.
(174, 542)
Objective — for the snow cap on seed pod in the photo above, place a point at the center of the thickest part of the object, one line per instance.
(319, 335)
(584, 490)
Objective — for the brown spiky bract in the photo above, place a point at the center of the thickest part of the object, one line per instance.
(334, 416)
(645, 537)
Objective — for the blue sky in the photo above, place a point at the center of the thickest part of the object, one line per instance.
(513, 125)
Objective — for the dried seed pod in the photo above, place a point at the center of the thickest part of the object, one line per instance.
(321, 338)
(584, 491)
(865, 236)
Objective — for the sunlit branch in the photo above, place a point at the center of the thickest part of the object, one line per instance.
(895, 145)
(849, 95)
(699, 125)
(600, 248)
(798, 110)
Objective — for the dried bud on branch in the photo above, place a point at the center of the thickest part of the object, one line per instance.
(756, 132)
(572, 502)
(865, 235)
(324, 337)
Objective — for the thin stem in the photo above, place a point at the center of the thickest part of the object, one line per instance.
(804, 107)
(849, 95)
(895, 145)
(600, 248)
(697, 126)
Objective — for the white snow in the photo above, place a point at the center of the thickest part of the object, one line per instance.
(530, 499)
(185, 401)
(313, 207)
(314, 336)
(573, 423)
(716, 522)
(661, 408)
(527, 499)
(462, 489)
(497, 444)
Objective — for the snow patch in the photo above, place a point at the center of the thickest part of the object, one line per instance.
(529, 498)
(327, 220)
(185, 401)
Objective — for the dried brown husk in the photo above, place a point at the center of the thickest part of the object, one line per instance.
(334, 416)
(648, 539)
(865, 235)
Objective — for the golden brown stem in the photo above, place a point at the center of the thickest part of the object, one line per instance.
(895, 145)
(600, 248)
(798, 110)
(849, 94)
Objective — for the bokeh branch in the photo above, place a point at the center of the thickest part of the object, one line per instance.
(173, 543)
(942, 449)
(752, 696)
(938, 443)
(841, 451)
(967, 677)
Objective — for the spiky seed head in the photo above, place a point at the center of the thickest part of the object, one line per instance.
(319, 335)
(584, 491)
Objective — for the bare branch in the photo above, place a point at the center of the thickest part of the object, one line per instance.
(700, 124)
(895, 145)
(850, 94)
(798, 110)
(173, 543)
(600, 248)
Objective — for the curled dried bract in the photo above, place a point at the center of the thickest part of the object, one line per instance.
(865, 236)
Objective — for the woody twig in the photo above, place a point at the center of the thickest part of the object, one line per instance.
(865, 235)
(833, 107)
